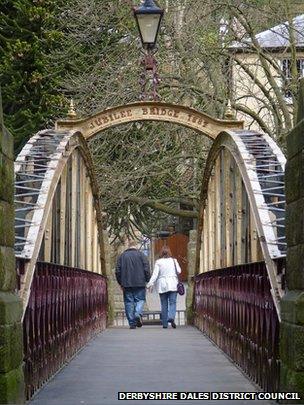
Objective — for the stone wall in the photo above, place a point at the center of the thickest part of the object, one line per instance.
(11, 349)
(292, 306)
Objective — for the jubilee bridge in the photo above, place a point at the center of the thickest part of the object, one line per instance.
(62, 276)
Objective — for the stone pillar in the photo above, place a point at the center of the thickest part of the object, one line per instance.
(191, 272)
(292, 305)
(11, 348)
(110, 277)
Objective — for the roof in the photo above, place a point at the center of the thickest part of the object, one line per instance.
(276, 37)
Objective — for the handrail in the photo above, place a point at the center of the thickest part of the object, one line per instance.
(235, 308)
(67, 307)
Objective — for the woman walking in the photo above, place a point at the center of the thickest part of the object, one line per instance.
(165, 275)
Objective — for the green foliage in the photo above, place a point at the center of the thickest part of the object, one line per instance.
(29, 88)
(96, 55)
(52, 50)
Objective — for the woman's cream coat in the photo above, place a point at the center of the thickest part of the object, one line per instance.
(164, 275)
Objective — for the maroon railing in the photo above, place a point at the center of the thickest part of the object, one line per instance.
(67, 306)
(234, 307)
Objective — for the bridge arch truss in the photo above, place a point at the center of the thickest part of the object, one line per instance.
(59, 218)
(242, 215)
(58, 214)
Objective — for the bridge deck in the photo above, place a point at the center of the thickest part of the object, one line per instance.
(146, 359)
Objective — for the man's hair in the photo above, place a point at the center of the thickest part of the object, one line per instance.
(165, 252)
(133, 243)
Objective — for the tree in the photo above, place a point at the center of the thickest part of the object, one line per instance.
(265, 76)
(195, 62)
(96, 61)
(280, 117)
(146, 174)
(101, 69)
(29, 88)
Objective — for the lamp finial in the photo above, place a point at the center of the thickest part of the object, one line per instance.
(72, 113)
(229, 113)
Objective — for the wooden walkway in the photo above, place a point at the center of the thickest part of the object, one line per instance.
(147, 359)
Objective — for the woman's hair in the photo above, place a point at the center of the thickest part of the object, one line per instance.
(165, 252)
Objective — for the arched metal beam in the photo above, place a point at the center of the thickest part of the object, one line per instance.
(39, 168)
(149, 111)
(261, 166)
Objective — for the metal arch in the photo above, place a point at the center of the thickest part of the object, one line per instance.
(149, 111)
(38, 169)
(261, 165)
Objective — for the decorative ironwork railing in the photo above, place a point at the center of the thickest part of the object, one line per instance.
(67, 307)
(235, 308)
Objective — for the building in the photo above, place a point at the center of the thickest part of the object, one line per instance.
(265, 70)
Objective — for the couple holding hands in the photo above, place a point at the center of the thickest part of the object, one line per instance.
(133, 275)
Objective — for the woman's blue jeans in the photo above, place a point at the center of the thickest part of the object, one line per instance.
(134, 299)
(168, 306)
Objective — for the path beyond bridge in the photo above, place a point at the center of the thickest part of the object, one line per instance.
(147, 359)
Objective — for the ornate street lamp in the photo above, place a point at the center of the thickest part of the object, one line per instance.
(148, 17)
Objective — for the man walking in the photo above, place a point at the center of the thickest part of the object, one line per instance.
(132, 274)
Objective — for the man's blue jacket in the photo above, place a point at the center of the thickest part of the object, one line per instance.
(132, 269)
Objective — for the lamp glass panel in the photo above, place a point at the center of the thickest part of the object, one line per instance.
(148, 25)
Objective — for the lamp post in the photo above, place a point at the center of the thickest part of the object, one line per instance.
(148, 17)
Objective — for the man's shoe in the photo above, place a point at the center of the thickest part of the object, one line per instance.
(173, 324)
(132, 327)
(139, 322)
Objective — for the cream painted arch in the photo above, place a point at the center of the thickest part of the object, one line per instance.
(42, 164)
(55, 185)
(243, 205)
(149, 111)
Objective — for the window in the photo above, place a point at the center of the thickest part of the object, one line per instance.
(286, 70)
